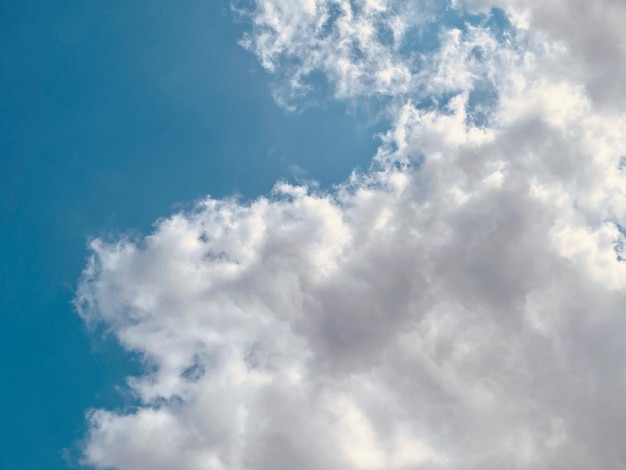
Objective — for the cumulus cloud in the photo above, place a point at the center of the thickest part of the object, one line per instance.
(591, 33)
(457, 306)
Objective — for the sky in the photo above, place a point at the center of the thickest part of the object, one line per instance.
(340, 234)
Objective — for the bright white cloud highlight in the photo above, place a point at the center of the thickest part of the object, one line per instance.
(458, 306)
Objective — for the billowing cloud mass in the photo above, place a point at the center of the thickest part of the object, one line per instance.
(460, 305)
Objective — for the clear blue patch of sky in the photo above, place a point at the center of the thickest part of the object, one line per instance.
(618, 244)
(113, 114)
(481, 102)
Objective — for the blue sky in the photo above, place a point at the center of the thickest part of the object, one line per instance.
(192, 276)
(114, 115)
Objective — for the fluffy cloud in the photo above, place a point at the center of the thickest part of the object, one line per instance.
(459, 305)
(591, 33)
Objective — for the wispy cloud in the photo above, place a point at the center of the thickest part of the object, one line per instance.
(591, 34)
(459, 305)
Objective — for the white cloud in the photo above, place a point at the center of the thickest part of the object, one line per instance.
(339, 38)
(457, 306)
(592, 33)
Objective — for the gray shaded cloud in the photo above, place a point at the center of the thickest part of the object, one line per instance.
(592, 34)
(457, 306)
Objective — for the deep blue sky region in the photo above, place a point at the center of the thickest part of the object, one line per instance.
(113, 114)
